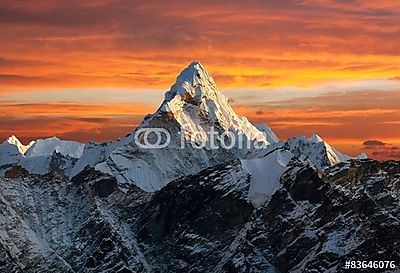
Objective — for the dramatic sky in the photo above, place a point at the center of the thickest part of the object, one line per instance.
(91, 69)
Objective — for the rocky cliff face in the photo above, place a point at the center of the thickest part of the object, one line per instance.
(202, 223)
(349, 212)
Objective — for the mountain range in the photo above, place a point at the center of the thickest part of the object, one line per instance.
(261, 205)
(192, 107)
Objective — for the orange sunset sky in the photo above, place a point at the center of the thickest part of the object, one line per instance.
(86, 70)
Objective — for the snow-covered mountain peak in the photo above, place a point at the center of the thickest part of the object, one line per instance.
(193, 86)
(270, 135)
(316, 138)
(362, 156)
(195, 73)
(21, 147)
(46, 147)
(193, 110)
(194, 82)
(196, 104)
(317, 150)
(13, 140)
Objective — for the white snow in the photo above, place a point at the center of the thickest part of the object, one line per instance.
(317, 150)
(45, 147)
(9, 155)
(362, 156)
(195, 86)
(265, 175)
(94, 153)
(15, 141)
(316, 138)
(270, 135)
(39, 157)
(195, 105)
(11, 152)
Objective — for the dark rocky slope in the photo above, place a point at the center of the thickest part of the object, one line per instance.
(202, 223)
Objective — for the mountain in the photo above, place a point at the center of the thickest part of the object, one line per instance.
(39, 157)
(46, 147)
(46, 164)
(265, 174)
(11, 153)
(9, 156)
(316, 150)
(95, 153)
(196, 204)
(22, 148)
(191, 108)
(270, 135)
(315, 221)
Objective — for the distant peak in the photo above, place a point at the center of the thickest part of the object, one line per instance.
(54, 138)
(13, 137)
(316, 138)
(13, 140)
(362, 156)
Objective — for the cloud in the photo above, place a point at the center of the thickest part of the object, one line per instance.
(294, 45)
(82, 43)
(384, 155)
(93, 120)
(82, 122)
(381, 150)
(373, 143)
(260, 112)
(7, 62)
(5, 78)
(69, 128)
(355, 118)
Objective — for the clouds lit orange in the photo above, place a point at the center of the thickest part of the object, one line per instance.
(298, 65)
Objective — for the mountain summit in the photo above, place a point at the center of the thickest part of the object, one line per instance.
(192, 108)
(192, 84)
(15, 141)
(196, 104)
(45, 147)
(316, 150)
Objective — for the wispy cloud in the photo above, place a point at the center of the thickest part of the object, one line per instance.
(381, 150)
(373, 143)
(81, 122)
(330, 66)
(80, 44)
